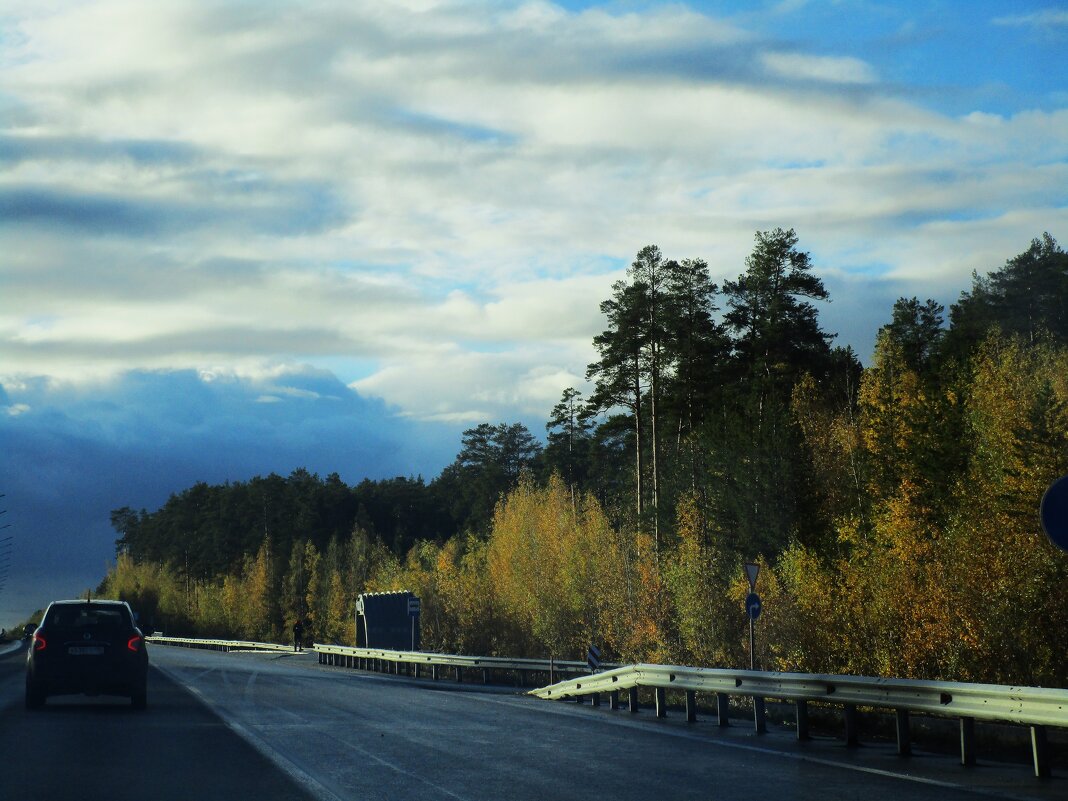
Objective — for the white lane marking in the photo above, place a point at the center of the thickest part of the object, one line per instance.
(286, 763)
(524, 702)
(760, 749)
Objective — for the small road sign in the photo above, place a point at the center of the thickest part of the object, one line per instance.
(413, 607)
(1054, 512)
(593, 657)
(752, 605)
(752, 570)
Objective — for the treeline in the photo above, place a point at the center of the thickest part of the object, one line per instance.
(894, 507)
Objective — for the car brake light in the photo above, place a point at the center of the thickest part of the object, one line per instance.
(134, 643)
(39, 642)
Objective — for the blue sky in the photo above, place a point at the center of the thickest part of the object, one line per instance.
(241, 237)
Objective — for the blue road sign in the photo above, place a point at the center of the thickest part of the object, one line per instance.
(1054, 512)
(752, 605)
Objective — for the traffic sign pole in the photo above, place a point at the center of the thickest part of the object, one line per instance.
(752, 644)
(414, 608)
(752, 608)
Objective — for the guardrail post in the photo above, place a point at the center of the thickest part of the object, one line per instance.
(613, 699)
(723, 709)
(904, 733)
(434, 672)
(485, 675)
(632, 700)
(459, 675)
(760, 723)
(802, 720)
(1040, 751)
(691, 706)
(595, 699)
(661, 702)
(967, 741)
(415, 667)
(852, 739)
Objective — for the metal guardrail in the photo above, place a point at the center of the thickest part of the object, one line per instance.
(1035, 707)
(377, 659)
(218, 645)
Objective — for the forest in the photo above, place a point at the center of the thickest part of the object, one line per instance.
(893, 507)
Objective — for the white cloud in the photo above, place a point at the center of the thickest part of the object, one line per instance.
(444, 192)
(1046, 18)
(831, 69)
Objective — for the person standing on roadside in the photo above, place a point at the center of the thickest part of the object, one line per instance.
(298, 635)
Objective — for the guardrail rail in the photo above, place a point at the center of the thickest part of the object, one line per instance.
(218, 645)
(427, 664)
(1034, 707)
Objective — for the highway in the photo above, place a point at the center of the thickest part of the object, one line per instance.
(269, 726)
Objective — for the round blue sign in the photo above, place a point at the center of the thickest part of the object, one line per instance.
(1054, 512)
(752, 605)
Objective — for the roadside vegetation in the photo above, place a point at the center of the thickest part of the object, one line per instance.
(893, 506)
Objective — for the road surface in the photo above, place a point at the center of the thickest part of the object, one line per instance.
(268, 726)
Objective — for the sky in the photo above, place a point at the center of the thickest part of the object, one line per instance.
(241, 236)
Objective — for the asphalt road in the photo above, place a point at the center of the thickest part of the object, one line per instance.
(100, 748)
(281, 725)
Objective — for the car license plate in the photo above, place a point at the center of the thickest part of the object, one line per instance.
(85, 650)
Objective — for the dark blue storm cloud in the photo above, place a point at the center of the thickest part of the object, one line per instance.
(268, 208)
(147, 152)
(71, 454)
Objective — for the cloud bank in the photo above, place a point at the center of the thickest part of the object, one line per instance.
(75, 451)
(245, 230)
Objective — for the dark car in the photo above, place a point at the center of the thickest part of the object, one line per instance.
(28, 630)
(88, 647)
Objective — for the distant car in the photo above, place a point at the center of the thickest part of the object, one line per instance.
(28, 630)
(87, 647)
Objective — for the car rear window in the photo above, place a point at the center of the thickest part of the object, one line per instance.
(74, 617)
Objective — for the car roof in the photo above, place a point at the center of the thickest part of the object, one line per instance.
(96, 601)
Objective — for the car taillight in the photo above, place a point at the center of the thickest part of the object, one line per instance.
(134, 643)
(39, 642)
